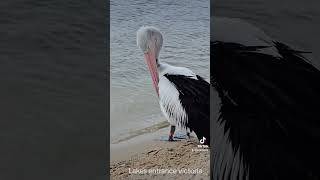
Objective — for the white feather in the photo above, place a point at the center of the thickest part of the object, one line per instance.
(168, 69)
(169, 97)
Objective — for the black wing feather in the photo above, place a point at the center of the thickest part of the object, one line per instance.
(194, 95)
(271, 107)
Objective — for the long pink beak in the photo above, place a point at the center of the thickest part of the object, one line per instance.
(150, 60)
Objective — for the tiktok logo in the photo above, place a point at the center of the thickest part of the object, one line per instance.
(202, 140)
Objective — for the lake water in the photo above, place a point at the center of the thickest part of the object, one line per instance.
(53, 89)
(185, 25)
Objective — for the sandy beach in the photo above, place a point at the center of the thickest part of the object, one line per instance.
(147, 157)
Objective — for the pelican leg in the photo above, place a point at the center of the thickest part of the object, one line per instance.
(172, 129)
(188, 134)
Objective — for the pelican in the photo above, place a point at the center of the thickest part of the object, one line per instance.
(183, 95)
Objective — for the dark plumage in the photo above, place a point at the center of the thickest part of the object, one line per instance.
(269, 113)
(194, 95)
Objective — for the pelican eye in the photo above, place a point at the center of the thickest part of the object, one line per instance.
(146, 50)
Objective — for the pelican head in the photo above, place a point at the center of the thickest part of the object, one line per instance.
(149, 40)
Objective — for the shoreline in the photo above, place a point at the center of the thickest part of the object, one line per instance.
(147, 157)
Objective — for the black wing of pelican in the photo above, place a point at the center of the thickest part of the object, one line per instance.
(194, 95)
(269, 122)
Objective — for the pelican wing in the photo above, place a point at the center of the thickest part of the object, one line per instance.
(194, 95)
(270, 109)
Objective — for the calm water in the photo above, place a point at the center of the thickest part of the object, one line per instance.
(53, 89)
(185, 25)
